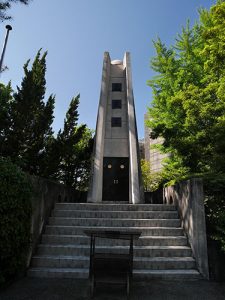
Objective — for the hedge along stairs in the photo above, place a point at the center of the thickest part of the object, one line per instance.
(15, 220)
(162, 251)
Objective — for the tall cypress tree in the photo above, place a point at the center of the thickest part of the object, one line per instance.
(5, 115)
(31, 119)
(5, 5)
(75, 145)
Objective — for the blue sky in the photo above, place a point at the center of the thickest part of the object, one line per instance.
(77, 32)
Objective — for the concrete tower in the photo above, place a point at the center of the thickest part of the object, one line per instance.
(116, 174)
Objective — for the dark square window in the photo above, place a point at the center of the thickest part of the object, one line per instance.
(116, 122)
(116, 104)
(117, 87)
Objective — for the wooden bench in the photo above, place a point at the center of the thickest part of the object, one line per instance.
(109, 267)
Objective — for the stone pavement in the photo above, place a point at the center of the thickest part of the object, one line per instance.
(75, 289)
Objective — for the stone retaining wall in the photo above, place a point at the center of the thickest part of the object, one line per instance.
(46, 194)
(188, 196)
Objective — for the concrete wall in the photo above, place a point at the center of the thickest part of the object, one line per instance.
(154, 156)
(188, 196)
(116, 138)
(136, 186)
(155, 197)
(46, 194)
(116, 141)
(142, 148)
(96, 181)
(147, 139)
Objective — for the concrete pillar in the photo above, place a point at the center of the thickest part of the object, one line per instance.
(95, 190)
(119, 141)
(136, 191)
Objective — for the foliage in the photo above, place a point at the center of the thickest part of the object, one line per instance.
(214, 187)
(174, 170)
(75, 147)
(15, 220)
(151, 180)
(5, 111)
(26, 135)
(84, 151)
(5, 5)
(189, 105)
(30, 119)
(188, 109)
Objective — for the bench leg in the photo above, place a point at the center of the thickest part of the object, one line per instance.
(92, 286)
(128, 285)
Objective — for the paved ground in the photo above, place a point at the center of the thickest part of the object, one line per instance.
(71, 289)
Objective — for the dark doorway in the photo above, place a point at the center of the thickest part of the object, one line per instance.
(115, 179)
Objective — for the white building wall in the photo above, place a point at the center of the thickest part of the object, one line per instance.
(154, 156)
(116, 138)
(116, 141)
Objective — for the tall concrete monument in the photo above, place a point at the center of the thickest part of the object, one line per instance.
(116, 174)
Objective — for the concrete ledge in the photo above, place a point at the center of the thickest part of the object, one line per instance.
(188, 196)
(46, 194)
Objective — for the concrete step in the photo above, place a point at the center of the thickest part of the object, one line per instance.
(166, 274)
(60, 261)
(142, 241)
(116, 207)
(164, 263)
(115, 214)
(79, 230)
(114, 222)
(144, 251)
(58, 273)
(137, 274)
(153, 263)
(160, 253)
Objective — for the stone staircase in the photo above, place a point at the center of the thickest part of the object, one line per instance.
(162, 251)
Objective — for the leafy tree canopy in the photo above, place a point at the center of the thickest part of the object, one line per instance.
(151, 180)
(30, 119)
(5, 101)
(6, 5)
(188, 108)
(75, 149)
(26, 135)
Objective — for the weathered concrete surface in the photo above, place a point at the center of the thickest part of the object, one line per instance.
(113, 141)
(116, 138)
(71, 289)
(65, 249)
(136, 188)
(188, 196)
(95, 189)
(46, 193)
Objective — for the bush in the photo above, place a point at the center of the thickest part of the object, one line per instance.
(214, 188)
(15, 220)
(152, 181)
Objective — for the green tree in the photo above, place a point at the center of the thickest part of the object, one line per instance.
(188, 108)
(84, 151)
(74, 146)
(15, 220)
(51, 159)
(27, 138)
(151, 180)
(5, 115)
(5, 5)
(31, 119)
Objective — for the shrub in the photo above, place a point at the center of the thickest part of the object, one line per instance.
(152, 181)
(15, 220)
(214, 187)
